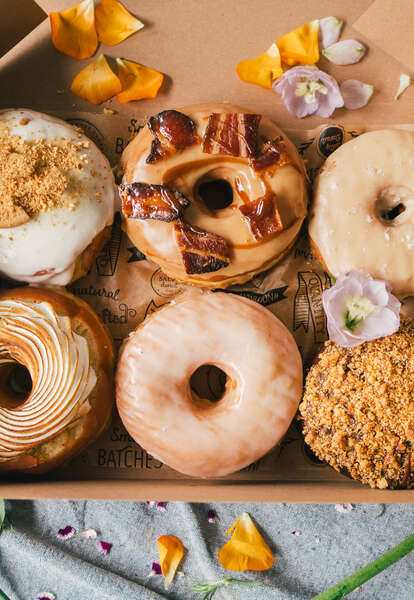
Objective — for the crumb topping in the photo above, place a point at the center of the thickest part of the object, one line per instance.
(358, 409)
(33, 177)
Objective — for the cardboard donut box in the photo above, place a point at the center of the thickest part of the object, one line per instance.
(197, 44)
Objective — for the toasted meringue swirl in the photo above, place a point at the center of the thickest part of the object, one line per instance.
(57, 359)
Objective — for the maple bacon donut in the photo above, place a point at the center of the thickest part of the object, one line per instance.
(212, 193)
(56, 378)
(362, 215)
(57, 199)
(162, 412)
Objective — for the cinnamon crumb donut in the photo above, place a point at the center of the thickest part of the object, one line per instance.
(57, 199)
(212, 193)
(358, 409)
(56, 378)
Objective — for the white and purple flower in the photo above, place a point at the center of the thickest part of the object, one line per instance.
(212, 516)
(66, 532)
(307, 91)
(46, 596)
(104, 547)
(359, 309)
(155, 569)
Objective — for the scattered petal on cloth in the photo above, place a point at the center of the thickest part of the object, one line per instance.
(307, 91)
(161, 506)
(212, 516)
(114, 23)
(344, 508)
(356, 94)
(137, 81)
(359, 308)
(46, 596)
(88, 534)
(66, 532)
(346, 52)
(296, 533)
(329, 31)
(171, 551)
(300, 46)
(405, 82)
(263, 69)
(104, 547)
(73, 30)
(155, 569)
(246, 550)
(96, 83)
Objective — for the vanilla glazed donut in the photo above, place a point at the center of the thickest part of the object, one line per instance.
(362, 215)
(57, 199)
(56, 378)
(192, 435)
(212, 193)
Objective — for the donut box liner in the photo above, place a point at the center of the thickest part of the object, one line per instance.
(123, 287)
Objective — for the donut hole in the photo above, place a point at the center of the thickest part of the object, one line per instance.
(216, 193)
(392, 204)
(15, 384)
(209, 383)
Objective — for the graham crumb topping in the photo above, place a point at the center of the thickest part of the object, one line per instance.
(33, 177)
(358, 409)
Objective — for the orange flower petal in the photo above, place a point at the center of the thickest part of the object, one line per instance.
(114, 23)
(137, 81)
(301, 45)
(171, 551)
(96, 82)
(262, 69)
(73, 30)
(246, 550)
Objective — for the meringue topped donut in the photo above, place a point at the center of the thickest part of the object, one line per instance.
(56, 378)
(164, 415)
(362, 215)
(57, 199)
(212, 193)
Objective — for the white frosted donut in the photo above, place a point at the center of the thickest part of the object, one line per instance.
(362, 215)
(191, 434)
(52, 247)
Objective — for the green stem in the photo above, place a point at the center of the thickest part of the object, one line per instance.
(3, 596)
(351, 583)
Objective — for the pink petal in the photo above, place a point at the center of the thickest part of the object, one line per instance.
(156, 569)
(355, 93)
(346, 52)
(104, 547)
(344, 508)
(212, 516)
(161, 506)
(66, 532)
(329, 31)
(46, 596)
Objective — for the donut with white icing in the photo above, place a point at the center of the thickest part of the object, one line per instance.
(212, 193)
(362, 215)
(189, 433)
(56, 378)
(54, 245)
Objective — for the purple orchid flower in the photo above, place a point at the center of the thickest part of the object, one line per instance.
(307, 91)
(104, 547)
(66, 532)
(212, 516)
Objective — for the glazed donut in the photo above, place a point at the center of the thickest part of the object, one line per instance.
(189, 433)
(358, 409)
(362, 215)
(57, 199)
(56, 378)
(212, 193)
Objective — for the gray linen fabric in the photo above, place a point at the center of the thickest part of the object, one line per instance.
(327, 547)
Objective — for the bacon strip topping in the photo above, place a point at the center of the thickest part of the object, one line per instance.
(273, 154)
(173, 131)
(201, 251)
(235, 134)
(145, 201)
(262, 217)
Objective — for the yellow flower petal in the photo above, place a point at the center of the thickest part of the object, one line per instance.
(246, 550)
(171, 551)
(301, 45)
(137, 81)
(73, 30)
(114, 23)
(96, 82)
(262, 69)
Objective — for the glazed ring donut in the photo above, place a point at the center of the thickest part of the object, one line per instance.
(212, 193)
(56, 378)
(362, 215)
(191, 434)
(57, 199)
